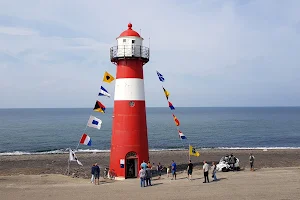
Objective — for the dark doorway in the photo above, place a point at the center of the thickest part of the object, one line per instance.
(131, 171)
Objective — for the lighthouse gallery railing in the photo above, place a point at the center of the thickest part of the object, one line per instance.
(129, 51)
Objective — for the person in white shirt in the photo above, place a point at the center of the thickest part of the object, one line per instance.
(142, 175)
(205, 170)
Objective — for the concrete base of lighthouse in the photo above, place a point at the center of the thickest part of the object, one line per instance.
(120, 178)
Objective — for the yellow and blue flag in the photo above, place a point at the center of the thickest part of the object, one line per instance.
(166, 93)
(99, 107)
(193, 152)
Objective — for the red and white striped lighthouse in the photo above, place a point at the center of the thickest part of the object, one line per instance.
(129, 142)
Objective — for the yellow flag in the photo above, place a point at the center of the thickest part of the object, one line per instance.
(166, 93)
(193, 152)
(108, 78)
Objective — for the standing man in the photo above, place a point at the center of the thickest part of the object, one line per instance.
(96, 173)
(251, 160)
(173, 168)
(205, 170)
(190, 170)
(148, 176)
(159, 169)
(144, 165)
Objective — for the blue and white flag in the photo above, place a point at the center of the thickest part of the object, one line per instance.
(103, 92)
(181, 135)
(94, 122)
(160, 76)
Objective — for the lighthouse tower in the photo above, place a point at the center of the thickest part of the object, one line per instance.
(129, 142)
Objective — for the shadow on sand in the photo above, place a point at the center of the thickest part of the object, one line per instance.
(219, 179)
(154, 184)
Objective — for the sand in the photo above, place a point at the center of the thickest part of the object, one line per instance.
(277, 176)
(268, 184)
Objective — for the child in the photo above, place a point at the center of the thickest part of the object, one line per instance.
(168, 170)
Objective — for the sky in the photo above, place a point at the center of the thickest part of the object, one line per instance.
(53, 54)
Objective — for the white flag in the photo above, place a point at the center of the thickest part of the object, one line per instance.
(103, 92)
(73, 157)
(94, 122)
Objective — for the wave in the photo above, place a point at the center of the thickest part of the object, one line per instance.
(64, 151)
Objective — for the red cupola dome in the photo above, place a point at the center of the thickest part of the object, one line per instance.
(129, 32)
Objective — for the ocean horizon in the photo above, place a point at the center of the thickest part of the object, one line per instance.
(156, 107)
(53, 130)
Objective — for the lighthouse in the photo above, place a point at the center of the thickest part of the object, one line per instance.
(129, 141)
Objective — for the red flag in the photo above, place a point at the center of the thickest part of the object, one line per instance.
(177, 123)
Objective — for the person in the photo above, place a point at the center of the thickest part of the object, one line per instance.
(148, 176)
(144, 165)
(214, 171)
(190, 170)
(92, 172)
(159, 169)
(142, 175)
(96, 173)
(173, 168)
(251, 160)
(105, 174)
(205, 170)
(226, 158)
(149, 165)
(153, 169)
(232, 161)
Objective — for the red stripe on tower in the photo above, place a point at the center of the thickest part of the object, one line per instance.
(129, 141)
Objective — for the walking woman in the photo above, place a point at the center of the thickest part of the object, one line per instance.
(214, 171)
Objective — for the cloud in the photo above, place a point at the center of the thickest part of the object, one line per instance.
(16, 31)
(212, 53)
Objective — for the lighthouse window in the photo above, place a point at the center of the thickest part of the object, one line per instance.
(133, 41)
(124, 40)
(131, 103)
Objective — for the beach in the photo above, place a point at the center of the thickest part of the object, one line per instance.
(57, 163)
(276, 176)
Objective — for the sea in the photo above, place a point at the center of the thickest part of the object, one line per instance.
(50, 131)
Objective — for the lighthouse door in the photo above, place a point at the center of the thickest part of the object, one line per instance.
(131, 165)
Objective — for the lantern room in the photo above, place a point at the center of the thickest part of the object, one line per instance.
(129, 45)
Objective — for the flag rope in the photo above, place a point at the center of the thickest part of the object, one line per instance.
(167, 97)
(162, 79)
(105, 74)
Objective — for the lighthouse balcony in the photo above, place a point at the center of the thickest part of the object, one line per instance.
(129, 52)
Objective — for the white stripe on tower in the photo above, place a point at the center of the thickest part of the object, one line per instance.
(129, 89)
